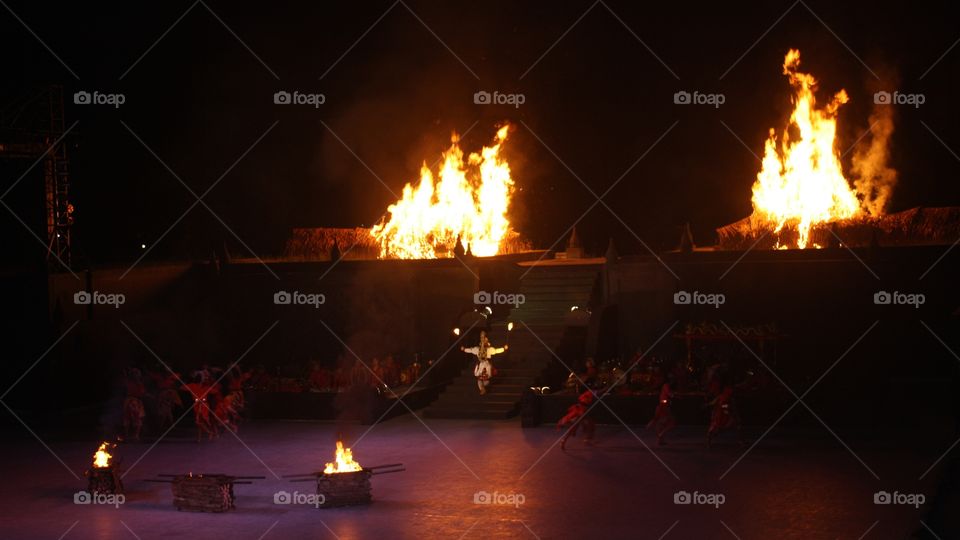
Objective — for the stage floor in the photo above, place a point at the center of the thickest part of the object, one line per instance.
(794, 484)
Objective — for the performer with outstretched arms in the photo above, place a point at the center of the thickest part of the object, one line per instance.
(483, 371)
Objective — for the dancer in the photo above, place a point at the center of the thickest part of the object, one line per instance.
(724, 415)
(483, 370)
(663, 420)
(579, 413)
(202, 390)
(167, 398)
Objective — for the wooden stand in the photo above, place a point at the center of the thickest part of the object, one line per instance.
(345, 489)
(104, 480)
(203, 493)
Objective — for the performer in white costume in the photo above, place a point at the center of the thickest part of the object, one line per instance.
(483, 371)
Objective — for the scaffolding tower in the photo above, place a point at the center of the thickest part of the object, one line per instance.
(32, 127)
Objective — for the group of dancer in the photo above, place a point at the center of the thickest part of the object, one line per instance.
(217, 400)
(719, 399)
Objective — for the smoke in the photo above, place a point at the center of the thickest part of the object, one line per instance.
(873, 177)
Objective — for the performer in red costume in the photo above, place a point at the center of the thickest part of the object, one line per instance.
(663, 420)
(577, 414)
(724, 415)
(202, 391)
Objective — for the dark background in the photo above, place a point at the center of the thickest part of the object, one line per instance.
(599, 99)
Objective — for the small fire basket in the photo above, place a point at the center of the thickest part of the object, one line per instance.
(344, 482)
(104, 476)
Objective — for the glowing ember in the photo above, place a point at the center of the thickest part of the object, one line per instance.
(101, 459)
(468, 200)
(801, 183)
(344, 462)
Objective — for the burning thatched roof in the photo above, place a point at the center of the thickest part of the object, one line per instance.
(917, 226)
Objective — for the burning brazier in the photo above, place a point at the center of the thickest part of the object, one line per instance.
(104, 476)
(344, 482)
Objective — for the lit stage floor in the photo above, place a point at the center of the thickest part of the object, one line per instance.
(793, 484)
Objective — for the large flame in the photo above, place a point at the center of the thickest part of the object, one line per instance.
(801, 182)
(344, 461)
(468, 200)
(101, 459)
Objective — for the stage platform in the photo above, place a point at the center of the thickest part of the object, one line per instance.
(793, 484)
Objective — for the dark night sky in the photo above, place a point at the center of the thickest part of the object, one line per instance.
(599, 99)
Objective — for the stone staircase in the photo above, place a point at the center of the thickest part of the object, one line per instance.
(549, 290)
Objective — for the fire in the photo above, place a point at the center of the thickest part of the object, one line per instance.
(344, 461)
(801, 183)
(466, 200)
(101, 459)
